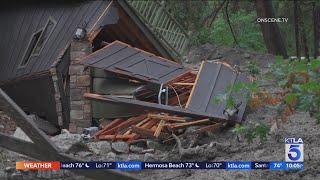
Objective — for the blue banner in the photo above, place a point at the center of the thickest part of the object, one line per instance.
(237, 165)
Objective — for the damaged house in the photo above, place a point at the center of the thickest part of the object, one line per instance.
(75, 63)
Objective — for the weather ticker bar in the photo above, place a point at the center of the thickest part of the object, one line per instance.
(236, 165)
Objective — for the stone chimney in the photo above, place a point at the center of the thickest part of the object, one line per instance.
(80, 83)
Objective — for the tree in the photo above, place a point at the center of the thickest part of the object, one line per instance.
(271, 32)
(296, 27)
(316, 28)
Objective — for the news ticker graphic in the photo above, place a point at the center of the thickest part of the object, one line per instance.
(294, 149)
(159, 165)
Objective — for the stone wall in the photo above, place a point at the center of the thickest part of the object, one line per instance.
(80, 83)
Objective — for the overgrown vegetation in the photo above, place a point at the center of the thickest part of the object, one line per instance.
(246, 29)
(298, 84)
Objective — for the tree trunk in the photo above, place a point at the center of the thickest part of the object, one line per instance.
(271, 32)
(296, 27)
(304, 36)
(210, 19)
(316, 29)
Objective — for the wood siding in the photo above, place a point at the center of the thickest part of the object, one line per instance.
(19, 24)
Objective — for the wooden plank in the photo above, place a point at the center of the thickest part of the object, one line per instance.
(109, 126)
(25, 123)
(125, 124)
(37, 152)
(183, 84)
(188, 124)
(164, 117)
(195, 82)
(139, 124)
(147, 125)
(116, 137)
(149, 133)
(159, 128)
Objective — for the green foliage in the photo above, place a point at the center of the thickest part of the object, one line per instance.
(254, 70)
(301, 78)
(301, 82)
(246, 30)
(252, 130)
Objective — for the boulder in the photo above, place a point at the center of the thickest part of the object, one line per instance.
(153, 145)
(136, 149)
(65, 131)
(100, 147)
(133, 157)
(120, 147)
(148, 157)
(148, 151)
(66, 142)
(111, 156)
(21, 135)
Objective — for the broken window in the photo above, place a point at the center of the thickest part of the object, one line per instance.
(44, 36)
(37, 42)
(30, 48)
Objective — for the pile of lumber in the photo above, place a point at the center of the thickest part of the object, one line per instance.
(151, 125)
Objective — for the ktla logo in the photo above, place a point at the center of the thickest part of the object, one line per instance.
(294, 149)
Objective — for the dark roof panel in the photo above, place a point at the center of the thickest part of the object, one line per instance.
(214, 80)
(121, 58)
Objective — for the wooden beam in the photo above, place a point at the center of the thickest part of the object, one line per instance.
(110, 125)
(159, 128)
(195, 82)
(149, 133)
(171, 118)
(25, 123)
(187, 124)
(147, 125)
(116, 137)
(183, 84)
(139, 124)
(125, 124)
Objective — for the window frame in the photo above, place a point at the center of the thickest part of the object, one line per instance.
(33, 54)
(42, 34)
(22, 64)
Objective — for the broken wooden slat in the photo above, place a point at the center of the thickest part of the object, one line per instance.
(159, 128)
(116, 137)
(125, 124)
(147, 125)
(164, 117)
(195, 82)
(193, 123)
(183, 84)
(139, 124)
(149, 133)
(109, 126)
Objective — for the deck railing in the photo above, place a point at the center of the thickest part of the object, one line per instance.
(162, 24)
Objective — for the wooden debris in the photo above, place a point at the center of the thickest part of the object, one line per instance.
(151, 125)
(149, 133)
